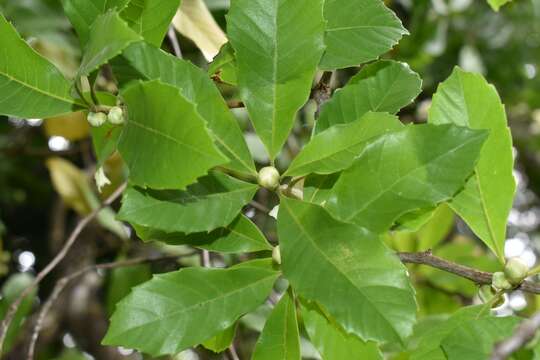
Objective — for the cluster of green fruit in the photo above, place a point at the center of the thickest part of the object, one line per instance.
(515, 271)
(115, 117)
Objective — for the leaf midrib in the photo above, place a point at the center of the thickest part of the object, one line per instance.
(181, 88)
(36, 89)
(485, 212)
(388, 188)
(319, 250)
(172, 139)
(203, 303)
(198, 198)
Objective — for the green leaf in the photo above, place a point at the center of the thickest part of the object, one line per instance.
(347, 270)
(11, 289)
(466, 99)
(496, 4)
(474, 339)
(317, 188)
(336, 148)
(213, 202)
(385, 86)
(280, 338)
(181, 309)
(414, 220)
(122, 280)
(105, 141)
(436, 229)
(31, 87)
(195, 85)
(278, 45)
(150, 18)
(414, 168)
(429, 346)
(240, 236)
(358, 31)
(224, 65)
(165, 142)
(222, 341)
(109, 35)
(82, 13)
(332, 342)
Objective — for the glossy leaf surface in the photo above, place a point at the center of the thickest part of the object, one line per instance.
(332, 342)
(240, 236)
(221, 341)
(385, 86)
(335, 149)
(357, 280)
(278, 45)
(358, 31)
(429, 344)
(109, 35)
(165, 142)
(194, 84)
(474, 340)
(213, 202)
(30, 86)
(414, 168)
(280, 338)
(83, 13)
(466, 99)
(150, 18)
(181, 309)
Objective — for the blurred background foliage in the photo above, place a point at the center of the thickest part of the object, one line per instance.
(47, 167)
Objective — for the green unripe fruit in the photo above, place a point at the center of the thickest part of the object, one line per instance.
(269, 178)
(500, 282)
(515, 270)
(276, 255)
(96, 119)
(116, 116)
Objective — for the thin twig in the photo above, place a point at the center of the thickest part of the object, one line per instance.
(63, 282)
(477, 276)
(322, 92)
(205, 259)
(257, 205)
(524, 333)
(235, 104)
(4, 326)
(93, 95)
(171, 34)
(81, 95)
(232, 352)
(58, 288)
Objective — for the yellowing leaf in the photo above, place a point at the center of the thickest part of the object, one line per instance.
(73, 186)
(194, 21)
(71, 183)
(72, 126)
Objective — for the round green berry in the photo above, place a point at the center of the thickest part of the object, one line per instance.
(515, 270)
(116, 116)
(269, 178)
(96, 119)
(500, 282)
(276, 255)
